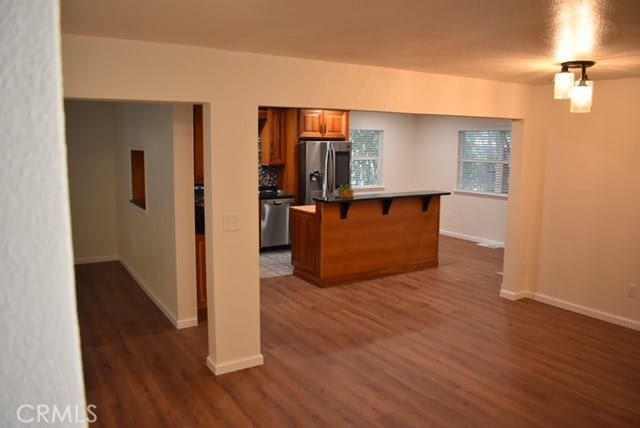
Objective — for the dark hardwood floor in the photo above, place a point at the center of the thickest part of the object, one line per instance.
(437, 347)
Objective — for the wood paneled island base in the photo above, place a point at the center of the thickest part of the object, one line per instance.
(338, 241)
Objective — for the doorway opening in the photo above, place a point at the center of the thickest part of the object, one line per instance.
(154, 241)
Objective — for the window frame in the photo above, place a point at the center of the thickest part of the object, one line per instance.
(379, 158)
(499, 164)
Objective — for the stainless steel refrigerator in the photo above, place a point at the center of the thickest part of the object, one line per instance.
(324, 166)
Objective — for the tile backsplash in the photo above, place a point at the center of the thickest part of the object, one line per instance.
(267, 175)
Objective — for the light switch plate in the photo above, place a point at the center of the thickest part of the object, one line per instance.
(231, 223)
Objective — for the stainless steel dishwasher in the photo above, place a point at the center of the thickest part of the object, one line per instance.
(274, 222)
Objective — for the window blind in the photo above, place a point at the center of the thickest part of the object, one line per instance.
(484, 161)
(366, 157)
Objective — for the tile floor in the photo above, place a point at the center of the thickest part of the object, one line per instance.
(275, 263)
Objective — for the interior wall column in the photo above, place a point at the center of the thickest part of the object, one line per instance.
(231, 207)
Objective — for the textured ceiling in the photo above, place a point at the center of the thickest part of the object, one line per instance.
(508, 40)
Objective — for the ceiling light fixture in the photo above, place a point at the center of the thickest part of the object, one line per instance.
(580, 92)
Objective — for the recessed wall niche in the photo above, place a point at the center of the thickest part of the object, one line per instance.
(138, 191)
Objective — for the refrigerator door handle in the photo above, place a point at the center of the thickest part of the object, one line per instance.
(330, 172)
(325, 175)
(333, 171)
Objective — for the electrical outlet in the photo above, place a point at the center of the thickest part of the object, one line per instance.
(632, 290)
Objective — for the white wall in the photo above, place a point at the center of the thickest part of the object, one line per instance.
(148, 238)
(589, 250)
(185, 281)
(92, 180)
(478, 218)
(40, 349)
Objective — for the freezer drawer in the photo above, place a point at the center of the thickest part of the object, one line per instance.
(274, 222)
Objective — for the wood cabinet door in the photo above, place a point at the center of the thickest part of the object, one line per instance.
(310, 124)
(290, 182)
(305, 253)
(201, 272)
(274, 138)
(323, 124)
(198, 145)
(336, 124)
(279, 142)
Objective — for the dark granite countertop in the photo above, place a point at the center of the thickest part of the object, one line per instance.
(377, 196)
(263, 195)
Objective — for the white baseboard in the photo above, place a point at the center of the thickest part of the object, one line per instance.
(232, 366)
(96, 259)
(177, 323)
(487, 242)
(590, 312)
(563, 304)
(186, 323)
(510, 295)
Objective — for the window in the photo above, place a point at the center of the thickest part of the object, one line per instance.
(138, 194)
(483, 161)
(366, 157)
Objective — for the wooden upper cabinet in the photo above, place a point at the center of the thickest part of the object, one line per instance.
(336, 124)
(198, 145)
(290, 183)
(323, 124)
(310, 123)
(274, 138)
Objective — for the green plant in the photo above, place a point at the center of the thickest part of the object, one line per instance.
(345, 191)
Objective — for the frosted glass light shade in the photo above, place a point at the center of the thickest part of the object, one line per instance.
(581, 97)
(562, 85)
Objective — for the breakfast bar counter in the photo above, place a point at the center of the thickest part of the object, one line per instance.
(337, 241)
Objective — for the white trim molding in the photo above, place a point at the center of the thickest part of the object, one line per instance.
(177, 323)
(479, 240)
(510, 295)
(186, 323)
(96, 259)
(235, 365)
(481, 194)
(563, 304)
(590, 312)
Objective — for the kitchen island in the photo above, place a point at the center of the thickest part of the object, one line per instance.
(337, 241)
